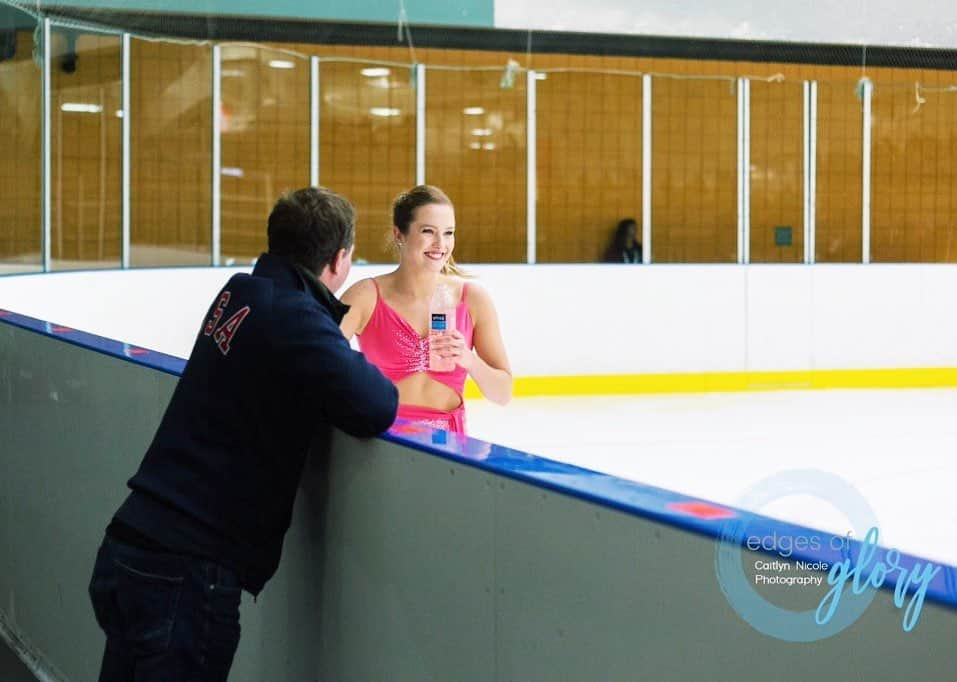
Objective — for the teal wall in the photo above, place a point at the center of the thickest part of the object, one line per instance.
(11, 17)
(458, 13)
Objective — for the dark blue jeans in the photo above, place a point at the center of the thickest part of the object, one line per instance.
(167, 617)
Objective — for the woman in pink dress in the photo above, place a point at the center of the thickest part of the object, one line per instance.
(391, 316)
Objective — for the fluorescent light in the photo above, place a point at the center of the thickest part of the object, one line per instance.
(541, 76)
(282, 64)
(119, 113)
(375, 72)
(482, 132)
(77, 108)
(489, 146)
(233, 172)
(233, 73)
(233, 53)
(475, 145)
(384, 111)
(473, 111)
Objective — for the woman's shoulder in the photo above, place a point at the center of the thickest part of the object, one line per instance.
(477, 300)
(472, 289)
(459, 286)
(363, 292)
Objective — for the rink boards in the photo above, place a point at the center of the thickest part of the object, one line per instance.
(411, 558)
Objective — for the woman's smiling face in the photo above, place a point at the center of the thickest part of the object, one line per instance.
(431, 237)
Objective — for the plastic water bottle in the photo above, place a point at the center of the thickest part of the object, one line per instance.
(442, 313)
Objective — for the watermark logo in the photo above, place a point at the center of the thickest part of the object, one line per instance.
(869, 572)
(837, 609)
(853, 580)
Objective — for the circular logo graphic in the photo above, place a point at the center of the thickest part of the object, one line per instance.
(761, 614)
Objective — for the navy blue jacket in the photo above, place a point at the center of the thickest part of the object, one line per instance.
(268, 378)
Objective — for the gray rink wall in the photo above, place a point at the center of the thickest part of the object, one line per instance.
(401, 566)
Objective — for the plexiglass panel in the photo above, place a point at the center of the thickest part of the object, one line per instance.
(914, 175)
(476, 132)
(839, 172)
(695, 170)
(86, 132)
(777, 172)
(20, 133)
(171, 140)
(589, 163)
(367, 145)
(265, 141)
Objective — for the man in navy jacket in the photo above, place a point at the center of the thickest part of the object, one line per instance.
(268, 378)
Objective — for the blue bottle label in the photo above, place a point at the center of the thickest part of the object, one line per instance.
(438, 322)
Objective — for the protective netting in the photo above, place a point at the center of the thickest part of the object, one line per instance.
(587, 131)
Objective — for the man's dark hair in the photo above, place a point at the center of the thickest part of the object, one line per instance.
(310, 225)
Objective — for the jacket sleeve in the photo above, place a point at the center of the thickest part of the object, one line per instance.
(318, 363)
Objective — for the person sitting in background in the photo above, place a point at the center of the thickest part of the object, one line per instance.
(624, 247)
(391, 316)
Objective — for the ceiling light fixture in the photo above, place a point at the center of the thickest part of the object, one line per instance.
(78, 108)
(385, 111)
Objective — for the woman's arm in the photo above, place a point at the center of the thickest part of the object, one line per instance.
(360, 298)
(488, 365)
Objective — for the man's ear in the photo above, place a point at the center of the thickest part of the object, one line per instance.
(338, 261)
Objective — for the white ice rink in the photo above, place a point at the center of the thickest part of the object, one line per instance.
(898, 448)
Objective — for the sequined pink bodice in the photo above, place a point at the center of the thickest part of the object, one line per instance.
(392, 344)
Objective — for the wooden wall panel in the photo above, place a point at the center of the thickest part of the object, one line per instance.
(484, 174)
(589, 162)
(171, 140)
(839, 161)
(20, 160)
(777, 170)
(914, 212)
(265, 142)
(86, 155)
(589, 153)
(694, 178)
(367, 146)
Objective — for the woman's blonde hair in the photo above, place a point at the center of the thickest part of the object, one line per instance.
(403, 213)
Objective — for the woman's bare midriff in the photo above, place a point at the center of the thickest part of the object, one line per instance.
(422, 390)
